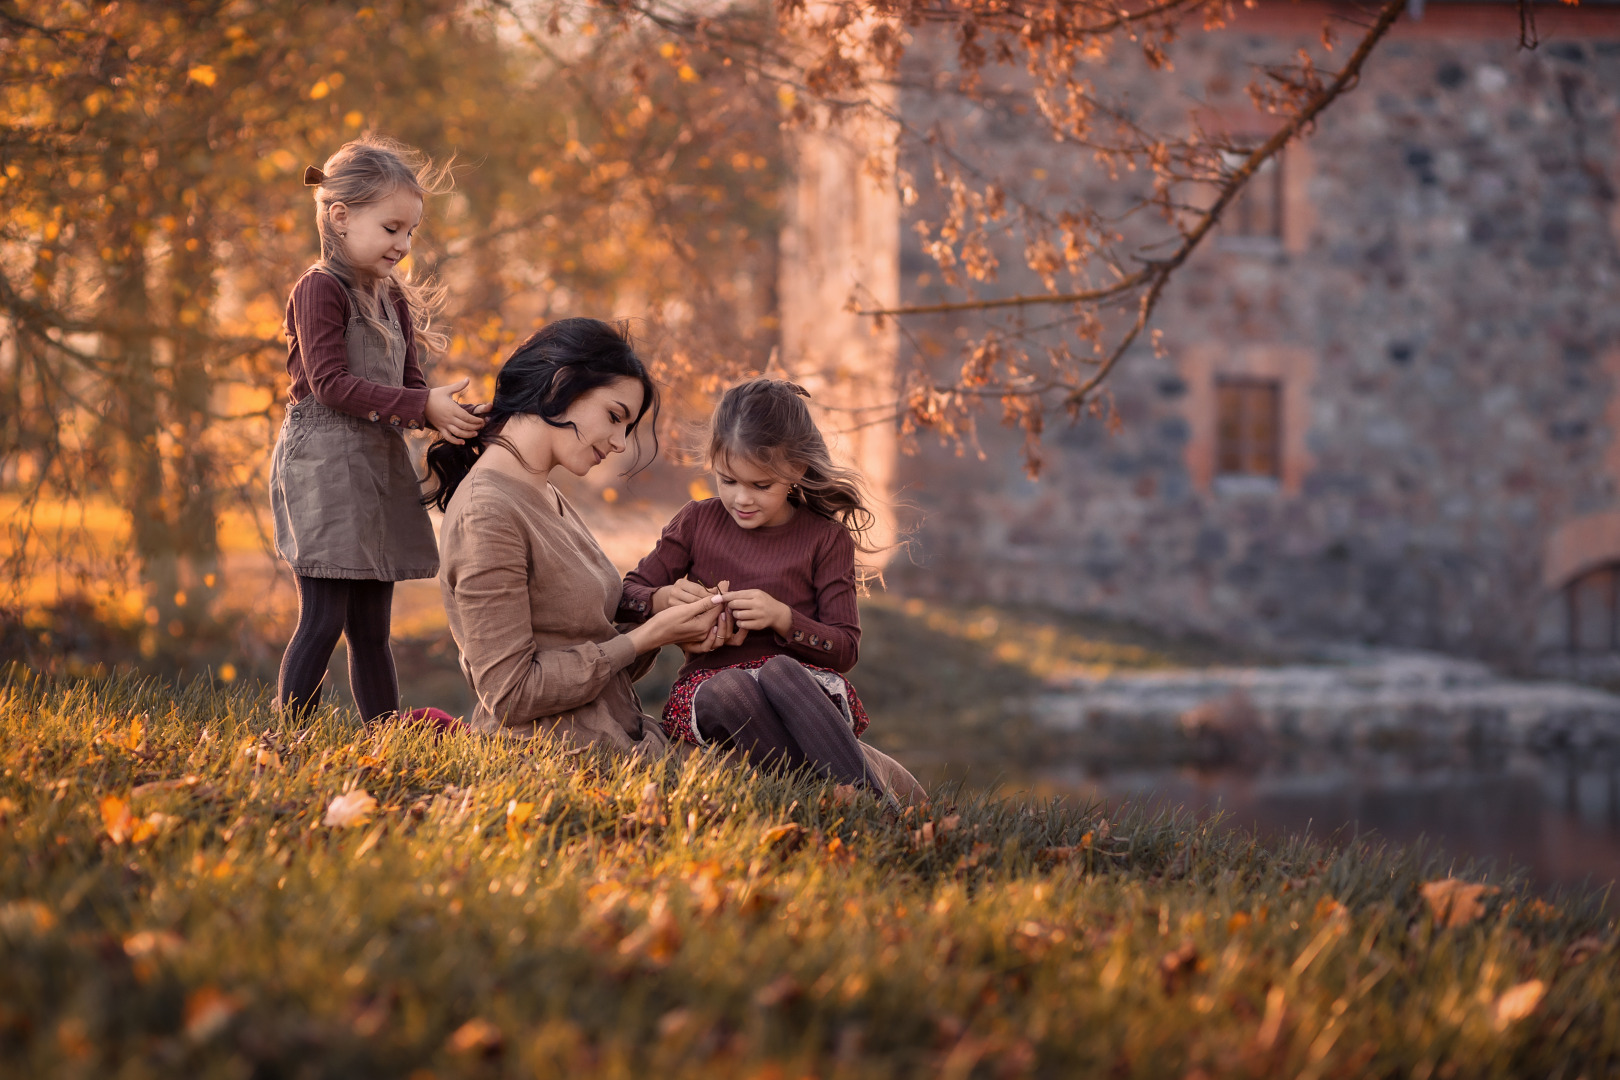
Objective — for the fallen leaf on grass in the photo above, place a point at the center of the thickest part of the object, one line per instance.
(153, 943)
(208, 1011)
(116, 818)
(787, 837)
(781, 990)
(1456, 903)
(1175, 967)
(517, 815)
(26, 918)
(932, 831)
(1329, 908)
(657, 939)
(1518, 1002)
(476, 1036)
(845, 794)
(1582, 949)
(164, 785)
(352, 808)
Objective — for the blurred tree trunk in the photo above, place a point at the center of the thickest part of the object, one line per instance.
(192, 295)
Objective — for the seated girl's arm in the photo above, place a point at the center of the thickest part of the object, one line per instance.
(832, 636)
(512, 676)
(318, 319)
(669, 561)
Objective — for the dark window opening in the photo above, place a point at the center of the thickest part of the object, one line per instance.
(1257, 212)
(1248, 427)
(1592, 602)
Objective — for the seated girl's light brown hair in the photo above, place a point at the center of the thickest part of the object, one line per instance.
(767, 421)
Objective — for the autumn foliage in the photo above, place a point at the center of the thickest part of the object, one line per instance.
(152, 221)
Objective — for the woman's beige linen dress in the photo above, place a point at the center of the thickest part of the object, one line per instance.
(531, 598)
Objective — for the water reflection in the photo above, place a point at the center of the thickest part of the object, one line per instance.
(1555, 818)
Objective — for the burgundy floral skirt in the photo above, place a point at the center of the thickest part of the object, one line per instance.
(677, 721)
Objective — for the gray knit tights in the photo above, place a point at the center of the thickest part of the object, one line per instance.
(782, 718)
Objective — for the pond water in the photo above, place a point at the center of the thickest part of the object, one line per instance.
(1556, 819)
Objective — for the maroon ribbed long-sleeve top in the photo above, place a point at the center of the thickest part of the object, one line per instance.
(318, 357)
(808, 563)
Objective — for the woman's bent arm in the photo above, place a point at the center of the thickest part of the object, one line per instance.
(515, 679)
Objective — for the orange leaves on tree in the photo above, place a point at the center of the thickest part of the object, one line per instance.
(202, 74)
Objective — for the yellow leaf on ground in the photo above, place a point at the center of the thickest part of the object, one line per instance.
(352, 808)
(1518, 1002)
(475, 1036)
(1456, 903)
(116, 819)
(208, 1011)
(26, 918)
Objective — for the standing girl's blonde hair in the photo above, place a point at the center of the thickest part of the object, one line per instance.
(347, 502)
(362, 173)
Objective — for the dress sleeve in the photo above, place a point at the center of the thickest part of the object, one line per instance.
(514, 679)
(669, 561)
(832, 638)
(319, 324)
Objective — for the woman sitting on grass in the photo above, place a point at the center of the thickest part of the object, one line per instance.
(530, 595)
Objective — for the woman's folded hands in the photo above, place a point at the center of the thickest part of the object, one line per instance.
(689, 624)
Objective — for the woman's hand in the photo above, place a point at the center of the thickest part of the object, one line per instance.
(448, 416)
(678, 624)
(725, 630)
(684, 591)
(756, 609)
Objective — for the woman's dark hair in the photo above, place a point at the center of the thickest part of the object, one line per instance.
(543, 377)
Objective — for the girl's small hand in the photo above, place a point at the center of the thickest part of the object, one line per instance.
(756, 609)
(447, 416)
(684, 591)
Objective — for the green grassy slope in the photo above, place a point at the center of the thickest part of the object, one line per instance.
(173, 902)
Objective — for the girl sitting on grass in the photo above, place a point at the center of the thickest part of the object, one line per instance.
(778, 546)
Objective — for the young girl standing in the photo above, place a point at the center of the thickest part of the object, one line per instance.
(779, 544)
(347, 503)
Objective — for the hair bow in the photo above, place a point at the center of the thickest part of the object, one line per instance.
(313, 177)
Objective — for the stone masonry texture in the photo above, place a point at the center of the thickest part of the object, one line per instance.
(1441, 310)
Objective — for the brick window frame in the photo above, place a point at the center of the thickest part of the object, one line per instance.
(1291, 368)
(1592, 611)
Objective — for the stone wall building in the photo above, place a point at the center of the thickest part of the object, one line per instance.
(1388, 404)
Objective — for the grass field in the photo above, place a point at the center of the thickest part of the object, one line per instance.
(188, 887)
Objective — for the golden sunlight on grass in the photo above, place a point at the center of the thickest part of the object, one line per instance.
(189, 885)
